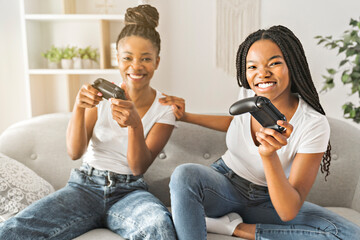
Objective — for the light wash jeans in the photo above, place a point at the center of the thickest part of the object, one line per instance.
(93, 199)
(197, 190)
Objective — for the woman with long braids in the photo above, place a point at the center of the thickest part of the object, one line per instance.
(118, 140)
(257, 189)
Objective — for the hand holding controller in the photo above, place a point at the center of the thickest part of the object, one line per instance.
(261, 109)
(108, 89)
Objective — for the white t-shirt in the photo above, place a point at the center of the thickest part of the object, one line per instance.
(107, 148)
(310, 135)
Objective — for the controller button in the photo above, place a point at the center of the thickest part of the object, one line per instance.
(162, 155)
(334, 156)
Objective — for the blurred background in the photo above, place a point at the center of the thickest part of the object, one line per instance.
(188, 68)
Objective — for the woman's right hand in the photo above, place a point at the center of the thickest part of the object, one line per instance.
(177, 104)
(88, 97)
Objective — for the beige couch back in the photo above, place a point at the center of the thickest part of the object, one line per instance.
(39, 143)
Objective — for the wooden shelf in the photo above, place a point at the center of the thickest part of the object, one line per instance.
(61, 23)
(73, 17)
(72, 71)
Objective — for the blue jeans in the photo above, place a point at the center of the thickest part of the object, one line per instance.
(197, 190)
(93, 199)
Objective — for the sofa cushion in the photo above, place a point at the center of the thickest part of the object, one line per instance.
(19, 187)
(99, 233)
(347, 213)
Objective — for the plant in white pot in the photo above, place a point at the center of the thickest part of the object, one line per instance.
(93, 53)
(67, 57)
(89, 57)
(348, 44)
(77, 58)
(53, 57)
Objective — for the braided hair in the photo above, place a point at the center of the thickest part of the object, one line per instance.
(141, 21)
(300, 77)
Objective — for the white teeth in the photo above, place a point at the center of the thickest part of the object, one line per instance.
(265, 85)
(136, 76)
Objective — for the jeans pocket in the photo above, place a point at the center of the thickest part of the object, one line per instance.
(76, 176)
(139, 184)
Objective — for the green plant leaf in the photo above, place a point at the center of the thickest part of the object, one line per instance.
(321, 41)
(350, 52)
(343, 62)
(331, 71)
(345, 78)
(353, 22)
(341, 49)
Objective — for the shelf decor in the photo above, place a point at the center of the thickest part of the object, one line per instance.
(235, 19)
(58, 23)
(53, 57)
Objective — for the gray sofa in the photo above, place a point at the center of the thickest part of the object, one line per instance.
(39, 143)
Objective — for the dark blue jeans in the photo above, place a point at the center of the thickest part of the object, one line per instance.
(197, 190)
(93, 199)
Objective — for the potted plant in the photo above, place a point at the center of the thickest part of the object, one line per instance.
(349, 45)
(77, 58)
(67, 57)
(53, 56)
(89, 56)
(93, 53)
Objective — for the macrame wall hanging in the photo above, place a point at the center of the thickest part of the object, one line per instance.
(235, 20)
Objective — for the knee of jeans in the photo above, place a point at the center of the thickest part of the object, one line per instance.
(184, 176)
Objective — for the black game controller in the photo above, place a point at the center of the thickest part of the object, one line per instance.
(108, 89)
(261, 109)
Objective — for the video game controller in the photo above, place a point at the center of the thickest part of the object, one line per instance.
(261, 109)
(108, 89)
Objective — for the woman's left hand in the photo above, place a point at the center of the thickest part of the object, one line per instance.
(270, 140)
(124, 111)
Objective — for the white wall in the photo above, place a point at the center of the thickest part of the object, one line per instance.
(187, 68)
(12, 84)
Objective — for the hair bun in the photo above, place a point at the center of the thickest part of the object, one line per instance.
(144, 15)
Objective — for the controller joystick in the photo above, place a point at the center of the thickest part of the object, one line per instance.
(108, 89)
(261, 109)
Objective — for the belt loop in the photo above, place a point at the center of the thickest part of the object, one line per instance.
(109, 179)
(229, 174)
(128, 178)
(90, 170)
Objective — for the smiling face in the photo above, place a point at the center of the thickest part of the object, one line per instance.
(266, 70)
(138, 60)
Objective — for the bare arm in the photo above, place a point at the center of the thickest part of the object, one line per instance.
(287, 195)
(82, 121)
(216, 122)
(141, 152)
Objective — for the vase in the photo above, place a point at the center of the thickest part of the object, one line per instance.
(67, 63)
(87, 63)
(52, 65)
(77, 63)
(95, 64)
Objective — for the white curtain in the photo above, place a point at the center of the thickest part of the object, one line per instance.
(235, 20)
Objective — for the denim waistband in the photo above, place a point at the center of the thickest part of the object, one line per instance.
(91, 171)
(237, 179)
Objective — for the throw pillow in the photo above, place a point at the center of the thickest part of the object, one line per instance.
(19, 187)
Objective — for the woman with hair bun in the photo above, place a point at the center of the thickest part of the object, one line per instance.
(117, 140)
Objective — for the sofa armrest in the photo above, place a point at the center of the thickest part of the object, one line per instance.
(356, 200)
